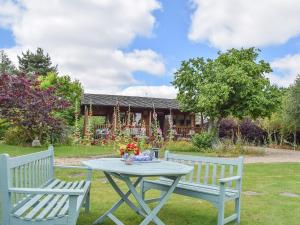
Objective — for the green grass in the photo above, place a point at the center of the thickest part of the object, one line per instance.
(182, 147)
(60, 151)
(269, 208)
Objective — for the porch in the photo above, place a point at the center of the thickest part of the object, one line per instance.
(136, 114)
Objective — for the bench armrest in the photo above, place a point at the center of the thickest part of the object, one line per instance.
(229, 179)
(46, 191)
(72, 167)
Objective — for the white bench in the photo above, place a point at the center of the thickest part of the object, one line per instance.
(30, 195)
(211, 180)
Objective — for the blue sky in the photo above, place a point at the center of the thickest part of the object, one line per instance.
(133, 47)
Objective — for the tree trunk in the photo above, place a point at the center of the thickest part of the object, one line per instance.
(295, 139)
(213, 127)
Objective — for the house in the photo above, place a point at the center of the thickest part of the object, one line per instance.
(141, 110)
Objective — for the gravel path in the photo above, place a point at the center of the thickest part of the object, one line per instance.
(275, 155)
(271, 156)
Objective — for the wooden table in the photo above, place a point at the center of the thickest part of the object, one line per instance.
(132, 175)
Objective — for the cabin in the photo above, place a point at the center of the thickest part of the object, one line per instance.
(141, 110)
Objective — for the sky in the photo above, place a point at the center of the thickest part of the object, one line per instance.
(133, 47)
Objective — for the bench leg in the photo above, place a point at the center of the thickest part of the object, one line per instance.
(87, 202)
(221, 209)
(72, 213)
(238, 209)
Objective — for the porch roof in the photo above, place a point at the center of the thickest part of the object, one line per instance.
(126, 101)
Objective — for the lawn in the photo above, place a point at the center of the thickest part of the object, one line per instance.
(268, 207)
(88, 151)
(60, 151)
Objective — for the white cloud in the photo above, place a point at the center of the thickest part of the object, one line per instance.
(286, 70)
(85, 37)
(244, 23)
(162, 91)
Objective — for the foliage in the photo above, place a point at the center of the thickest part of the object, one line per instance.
(6, 65)
(67, 89)
(171, 131)
(16, 136)
(203, 141)
(251, 132)
(29, 107)
(232, 84)
(157, 138)
(228, 129)
(36, 63)
(227, 147)
(4, 125)
(179, 146)
(291, 108)
(283, 125)
(275, 127)
(76, 129)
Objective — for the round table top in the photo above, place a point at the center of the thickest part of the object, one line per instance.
(161, 168)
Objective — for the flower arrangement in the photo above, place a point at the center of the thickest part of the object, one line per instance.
(130, 149)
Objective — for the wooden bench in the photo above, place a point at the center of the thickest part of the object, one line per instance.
(216, 180)
(31, 195)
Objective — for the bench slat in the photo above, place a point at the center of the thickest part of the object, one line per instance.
(192, 173)
(24, 159)
(52, 203)
(199, 172)
(80, 198)
(60, 203)
(230, 175)
(225, 161)
(222, 171)
(66, 206)
(42, 203)
(214, 176)
(34, 200)
(207, 189)
(206, 173)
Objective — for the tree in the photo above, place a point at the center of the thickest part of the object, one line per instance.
(291, 108)
(67, 89)
(6, 65)
(27, 106)
(232, 84)
(36, 63)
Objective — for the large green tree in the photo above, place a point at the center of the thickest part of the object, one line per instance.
(6, 65)
(65, 88)
(36, 62)
(232, 84)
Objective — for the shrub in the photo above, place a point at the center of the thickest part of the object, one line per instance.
(203, 141)
(228, 129)
(16, 136)
(4, 125)
(251, 132)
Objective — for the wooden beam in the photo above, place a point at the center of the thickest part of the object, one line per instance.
(150, 121)
(85, 121)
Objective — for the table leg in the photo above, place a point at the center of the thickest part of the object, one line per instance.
(124, 198)
(151, 214)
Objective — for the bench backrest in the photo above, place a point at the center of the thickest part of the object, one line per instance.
(28, 171)
(207, 170)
